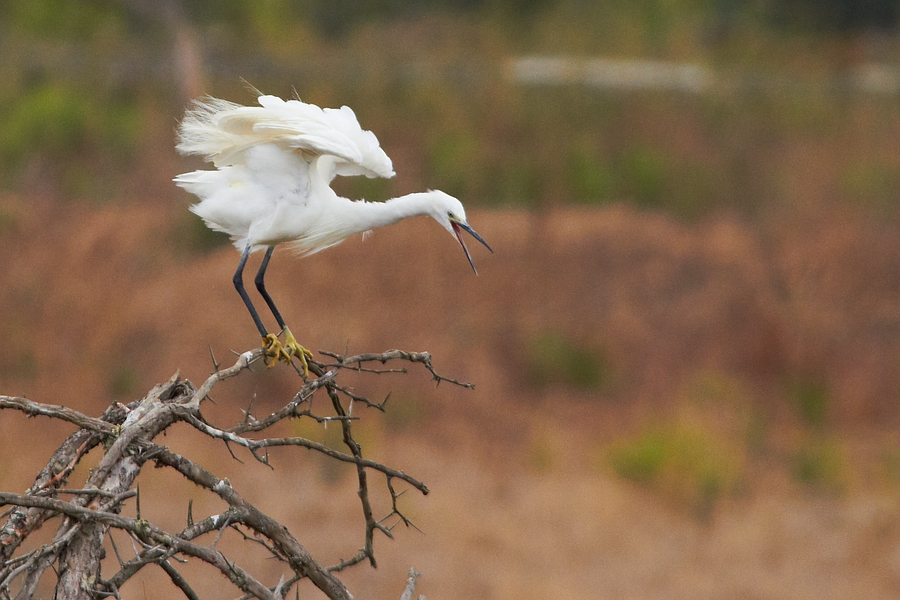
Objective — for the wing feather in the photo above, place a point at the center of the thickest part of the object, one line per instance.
(222, 132)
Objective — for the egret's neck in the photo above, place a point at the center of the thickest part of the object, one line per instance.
(341, 218)
(364, 216)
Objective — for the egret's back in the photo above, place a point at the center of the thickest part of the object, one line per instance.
(271, 198)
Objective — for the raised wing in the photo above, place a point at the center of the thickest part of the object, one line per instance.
(222, 132)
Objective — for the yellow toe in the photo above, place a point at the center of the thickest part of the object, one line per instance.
(295, 349)
(273, 351)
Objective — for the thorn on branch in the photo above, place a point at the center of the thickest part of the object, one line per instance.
(214, 361)
(115, 548)
(221, 532)
(248, 411)
(233, 455)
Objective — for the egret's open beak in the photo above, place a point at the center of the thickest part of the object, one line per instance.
(457, 225)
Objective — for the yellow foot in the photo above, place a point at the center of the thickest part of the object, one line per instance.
(293, 348)
(274, 351)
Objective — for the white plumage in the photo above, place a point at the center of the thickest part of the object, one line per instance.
(221, 131)
(274, 166)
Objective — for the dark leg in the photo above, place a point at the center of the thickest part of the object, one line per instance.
(291, 347)
(261, 286)
(239, 286)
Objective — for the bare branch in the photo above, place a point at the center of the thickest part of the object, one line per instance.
(363, 399)
(155, 554)
(256, 540)
(146, 533)
(254, 445)
(298, 558)
(22, 521)
(344, 564)
(46, 555)
(395, 510)
(290, 409)
(244, 361)
(417, 357)
(95, 492)
(34, 409)
(178, 580)
(362, 477)
(282, 588)
(410, 584)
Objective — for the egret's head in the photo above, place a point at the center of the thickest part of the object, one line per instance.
(449, 212)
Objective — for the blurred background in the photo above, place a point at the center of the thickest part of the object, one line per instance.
(685, 347)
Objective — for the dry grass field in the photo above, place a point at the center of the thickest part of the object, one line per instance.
(662, 410)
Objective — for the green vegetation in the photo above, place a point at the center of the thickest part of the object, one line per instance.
(553, 359)
(540, 455)
(810, 399)
(593, 180)
(406, 412)
(192, 236)
(686, 463)
(123, 381)
(819, 460)
(644, 172)
(46, 118)
(62, 20)
(20, 366)
(871, 184)
(330, 471)
(77, 133)
(890, 464)
(821, 464)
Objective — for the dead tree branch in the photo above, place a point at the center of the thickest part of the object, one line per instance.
(411, 585)
(89, 511)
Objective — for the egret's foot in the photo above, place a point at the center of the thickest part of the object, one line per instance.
(273, 351)
(291, 347)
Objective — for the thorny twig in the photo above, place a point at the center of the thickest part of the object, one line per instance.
(156, 554)
(254, 445)
(424, 358)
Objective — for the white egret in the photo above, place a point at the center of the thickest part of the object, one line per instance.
(274, 166)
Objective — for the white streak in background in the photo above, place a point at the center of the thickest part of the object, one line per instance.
(878, 79)
(638, 75)
(611, 74)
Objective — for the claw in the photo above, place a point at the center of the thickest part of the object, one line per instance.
(274, 351)
(295, 349)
